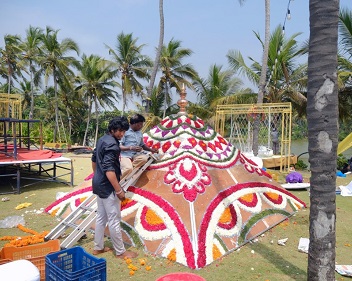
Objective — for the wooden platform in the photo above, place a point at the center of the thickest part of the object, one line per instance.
(276, 161)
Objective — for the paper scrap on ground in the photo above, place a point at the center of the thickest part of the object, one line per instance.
(282, 242)
(345, 270)
(23, 205)
(303, 245)
(346, 190)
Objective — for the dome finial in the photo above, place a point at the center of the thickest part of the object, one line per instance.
(182, 102)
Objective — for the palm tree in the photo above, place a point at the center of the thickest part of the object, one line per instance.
(174, 72)
(131, 64)
(221, 87)
(345, 30)
(31, 49)
(25, 91)
(158, 51)
(322, 113)
(286, 78)
(218, 86)
(95, 84)
(10, 57)
(262, 80)
(345, 65)
(54, 61)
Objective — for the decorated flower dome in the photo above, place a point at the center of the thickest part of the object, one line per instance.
(202, 200)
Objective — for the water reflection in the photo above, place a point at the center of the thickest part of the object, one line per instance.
(301, 146)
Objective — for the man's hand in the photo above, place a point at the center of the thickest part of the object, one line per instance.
(136, 148)
(121, 195)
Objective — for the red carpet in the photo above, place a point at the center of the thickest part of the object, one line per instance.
(31, 155)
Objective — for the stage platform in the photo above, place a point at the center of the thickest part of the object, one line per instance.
(34, 170)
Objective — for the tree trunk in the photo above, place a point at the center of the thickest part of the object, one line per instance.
(262, 80)
(56, 109)
(97, 120)
(158, 52)
(165, 96)
(31, 112)
(322, 115)
(123, 98)
(88, 121)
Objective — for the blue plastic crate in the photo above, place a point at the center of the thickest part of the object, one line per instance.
(74, 264)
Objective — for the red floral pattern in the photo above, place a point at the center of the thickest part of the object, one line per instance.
(188, 177)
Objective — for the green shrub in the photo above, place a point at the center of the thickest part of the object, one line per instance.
(300, 165)
(341, 162)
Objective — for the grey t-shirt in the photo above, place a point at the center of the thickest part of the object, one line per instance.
(131, 138)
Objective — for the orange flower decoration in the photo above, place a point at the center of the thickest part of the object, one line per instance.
(25, 240)
(247, 198)
(226, 216)
(216, 252)
(132, 267)
(172, 255)
(152, 218)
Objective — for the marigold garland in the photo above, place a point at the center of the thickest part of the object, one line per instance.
(27, 230)
(20, 241)
(125, 202)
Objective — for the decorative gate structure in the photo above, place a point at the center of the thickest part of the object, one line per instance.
(235, 122)
(10, 106)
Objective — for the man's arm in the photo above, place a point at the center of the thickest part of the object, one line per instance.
(115, 183)
(94, 160)
(147, 148)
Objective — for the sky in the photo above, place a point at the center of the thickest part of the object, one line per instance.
(209, 28)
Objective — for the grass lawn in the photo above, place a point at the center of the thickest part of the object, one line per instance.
(262, 259)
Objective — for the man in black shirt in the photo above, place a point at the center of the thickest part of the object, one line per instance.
(107, 172)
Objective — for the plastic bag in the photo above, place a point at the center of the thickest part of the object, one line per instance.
(11, 221)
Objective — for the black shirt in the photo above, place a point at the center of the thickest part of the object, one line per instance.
(106, 156)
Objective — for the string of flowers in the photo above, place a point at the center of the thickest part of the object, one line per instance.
(20, 241)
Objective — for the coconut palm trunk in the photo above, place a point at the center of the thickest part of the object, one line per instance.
(56, 108)
(165, 96)
(88, 120)
(158, 52)
(262, 80)
(97, 119)
(322, 115)
(31, 112)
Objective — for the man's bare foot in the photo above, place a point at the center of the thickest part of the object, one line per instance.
(98, 252)
(127, 255)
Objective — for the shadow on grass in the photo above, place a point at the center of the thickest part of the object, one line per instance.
(284, 266)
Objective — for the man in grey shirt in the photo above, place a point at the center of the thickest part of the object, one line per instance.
(132, 146)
